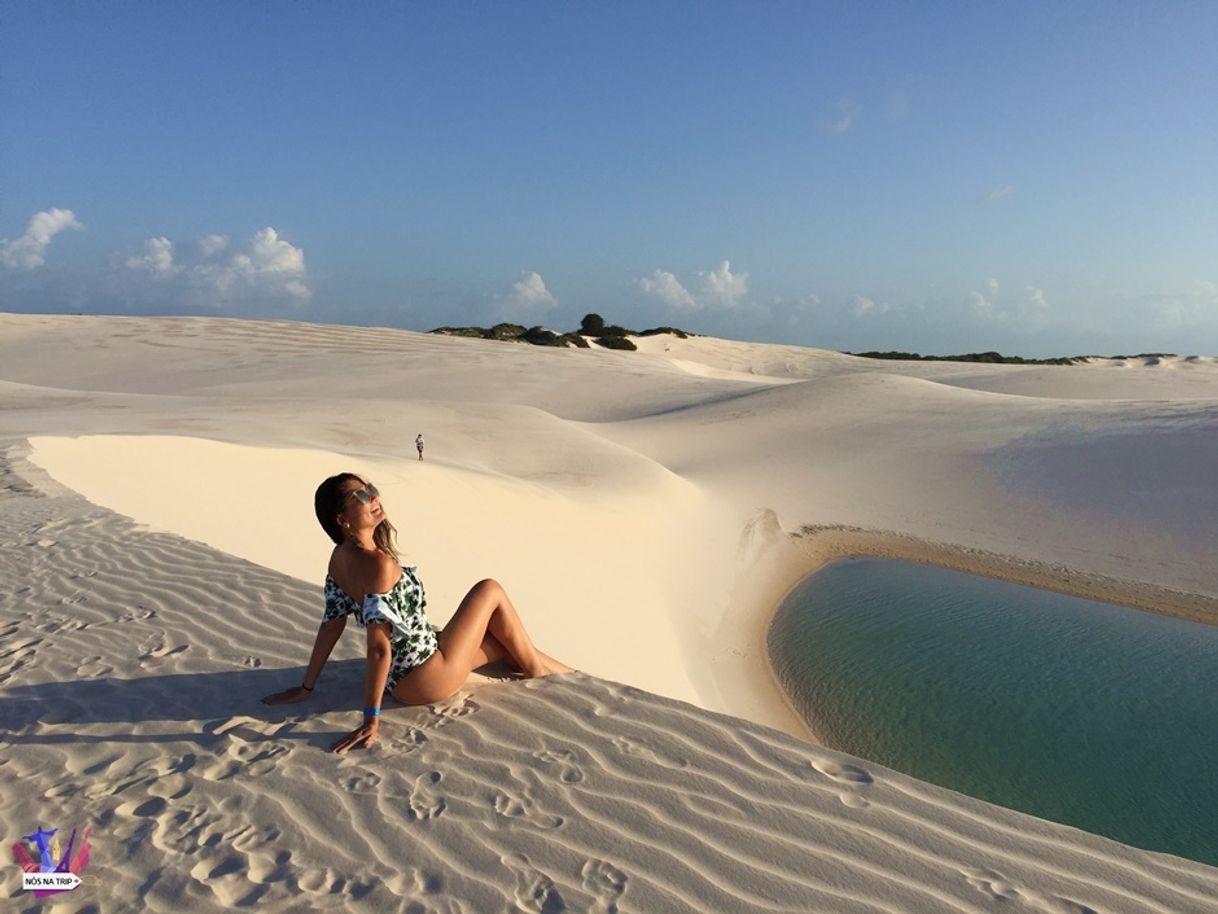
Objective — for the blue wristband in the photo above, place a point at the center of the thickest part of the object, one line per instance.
(372, 712)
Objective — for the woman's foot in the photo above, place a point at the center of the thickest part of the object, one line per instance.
(551, 667)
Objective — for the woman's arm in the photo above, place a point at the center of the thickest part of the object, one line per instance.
(380, 655)
(328, 634)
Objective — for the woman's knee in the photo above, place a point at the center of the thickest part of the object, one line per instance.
(488, 587)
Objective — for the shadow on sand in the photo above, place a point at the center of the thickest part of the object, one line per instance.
(211, 704)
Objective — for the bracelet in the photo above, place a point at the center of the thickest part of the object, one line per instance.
(305, 687)
(372, 712)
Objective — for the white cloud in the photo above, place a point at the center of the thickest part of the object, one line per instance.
(861, 306)
(266, 267)
(212, 244)
(719, 289)
(993, 305)
(724, 288)
(269, 266)
(668, 289)
(996, 193)
(530, 292)
(842, 118)
(156, 258)
(29, 251)
(984, 302)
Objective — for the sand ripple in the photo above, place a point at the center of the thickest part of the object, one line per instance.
(130, 668)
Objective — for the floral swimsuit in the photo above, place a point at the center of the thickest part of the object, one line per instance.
(413, 638)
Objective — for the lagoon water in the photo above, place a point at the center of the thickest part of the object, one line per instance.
(1095, 715)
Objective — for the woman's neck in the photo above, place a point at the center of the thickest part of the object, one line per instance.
(362, 541)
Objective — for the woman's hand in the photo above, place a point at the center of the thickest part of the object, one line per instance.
(288, 696)
(367, 735)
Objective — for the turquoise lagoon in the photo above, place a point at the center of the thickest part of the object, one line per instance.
(1098, 716)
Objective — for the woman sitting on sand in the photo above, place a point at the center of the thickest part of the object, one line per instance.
(406, 657)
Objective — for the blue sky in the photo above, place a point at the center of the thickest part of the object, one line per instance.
(1034, 178)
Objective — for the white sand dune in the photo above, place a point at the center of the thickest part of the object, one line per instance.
(646, 510)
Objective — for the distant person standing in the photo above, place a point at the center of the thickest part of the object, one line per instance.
(418, 443)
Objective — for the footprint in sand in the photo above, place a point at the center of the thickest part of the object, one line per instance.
(179, 764)
(18, 656)
(512, 807)
(265, 866)
(535, 891)
(183, 831)
(56, 625)
(249, 729)
(427, 883)
(65, 789)
(607, 698)
(446, 712)
(989, 883)
(845, 774)
(851, 777)
(94, 668)
(316, 880)
(641, 750)
(206, 870)
(171, 786)
(425, 800)
(605, 882)
(145, 809)
(157, 649)
(139, 614)
(255, 758)
(994, 885)
(568, 771)
(364, 782)
(251, 839)
(407, 741)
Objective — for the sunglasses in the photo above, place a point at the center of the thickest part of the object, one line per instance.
(365, 495)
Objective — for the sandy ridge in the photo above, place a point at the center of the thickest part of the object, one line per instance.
(693, 497)
(824, 544)
(572, 793)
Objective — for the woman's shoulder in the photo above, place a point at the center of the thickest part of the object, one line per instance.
(366, 571)
(384, 572)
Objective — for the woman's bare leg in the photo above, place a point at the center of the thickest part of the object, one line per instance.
(490, 651)
(484, 625)
(555, 666)
(485, 610)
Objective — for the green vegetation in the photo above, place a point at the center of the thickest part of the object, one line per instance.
(615, 342)
(997, 358)
(993, 358)
(613, 336)
(609, 336)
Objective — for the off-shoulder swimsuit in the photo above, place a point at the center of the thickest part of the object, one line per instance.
(412, 638)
